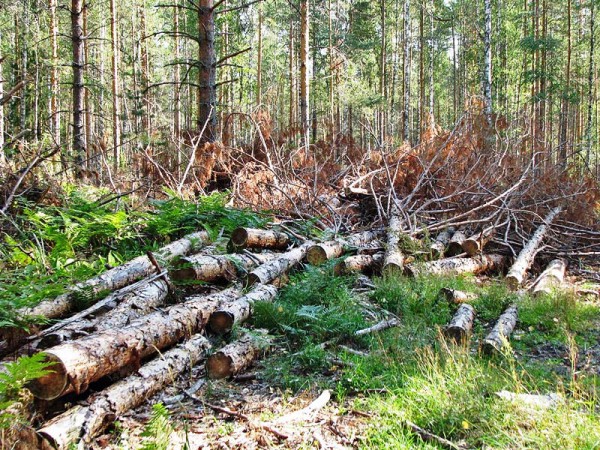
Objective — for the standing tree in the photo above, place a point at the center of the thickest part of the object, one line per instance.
(207, 97)
(304, 64)
(78, 85)
(487, 62)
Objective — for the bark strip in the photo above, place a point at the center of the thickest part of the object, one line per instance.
(456, 266)
(501, 332)
(82, 362)
(517, 272)
(242, 238)
(460, 327)
(551, 278)
(273, 269)
(116, 278)
(83, 423)
(223, 320)
(236, 357)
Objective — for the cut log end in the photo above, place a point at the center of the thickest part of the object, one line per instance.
(252, 279)
(53, 384)
(471, 247)
(316, 255)
(183, 273)
(392, 270)
(239, 237)
(221, 322)
(219, 366)
(513, 282)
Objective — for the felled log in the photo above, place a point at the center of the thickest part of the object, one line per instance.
(393, 261)
(455, 244)
(129, 308)
(501, 332)
(553, 276)
(273, 269)
(319, 253)
(474, 244)
(456, 266)
(438, 247)
(219, 267)
(359, 263)
(457, 297)
(223, 320)
(116, 278)
(516, 274)
(86, 360)
(243, 238)
(83, 423)
(236, 357)
(460, 327)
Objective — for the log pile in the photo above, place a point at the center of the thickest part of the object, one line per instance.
(145, 335)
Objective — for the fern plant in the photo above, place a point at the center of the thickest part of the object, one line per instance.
(157, 432)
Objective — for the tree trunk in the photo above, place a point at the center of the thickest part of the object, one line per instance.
(455, 244)
(293, 89)
(523, 262)
(487, 61)
(460, 327)
(273, 269)
(393, 261)
(83, 423)
(207, 96)
(319, 253)
(78, 85)
(177, 91)
(359, 263)
(145, 72)
(86, 360)
(54, 79)
(501, 332)
(238, 311)
(259, 56)
(441, 241)
(475, 244)
(220, 267)
(457, 297)
(456, 266)
(406, 68)
(236, 357)
(243, 238)
(116, 278)
(551, 278)
(116, 113)
(564, 114)
(382, 75)
(304, 72)
(589, 124)
(125, 309)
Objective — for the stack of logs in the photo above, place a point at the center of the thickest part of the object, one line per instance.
(140, 319)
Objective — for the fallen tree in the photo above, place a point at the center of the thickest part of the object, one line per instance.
(455, 244)
(319, 253)
(243, 238)
(223, 320)
(516, 274)
(359, 263)
(115, 278)
(219, 267)
(237, 356)
(498, 337)
(438, 247)
(457, 297)
(275, 268)
(455, 266)
(86, 360)
(460, 327)
(84, 422)
(393, 261)
(474, 244)
(552, 277)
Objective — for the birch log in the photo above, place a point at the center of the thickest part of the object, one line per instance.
(117, 277)
(82, 362)
(552, 277)
(223, 320)
(219, 267)
(359, 263)
(273, 269)
(501, 332)
(457, 297)
(319, 253)
(455, 244)
(242, 238)
(517, 272)
(83, 423)
(457, 266)
(474, 244)
(393, 261)
(235, 357)
(460, 327)
(131, 307)
(438, 247)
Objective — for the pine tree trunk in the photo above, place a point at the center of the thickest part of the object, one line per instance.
(54, 81)
(304, 72)
(116, 112)
(273, 269)
(207, 95)
(487, 61)
(457, 266)
(78, 85)
(235, 357)
(406, 70)
(259, 57)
